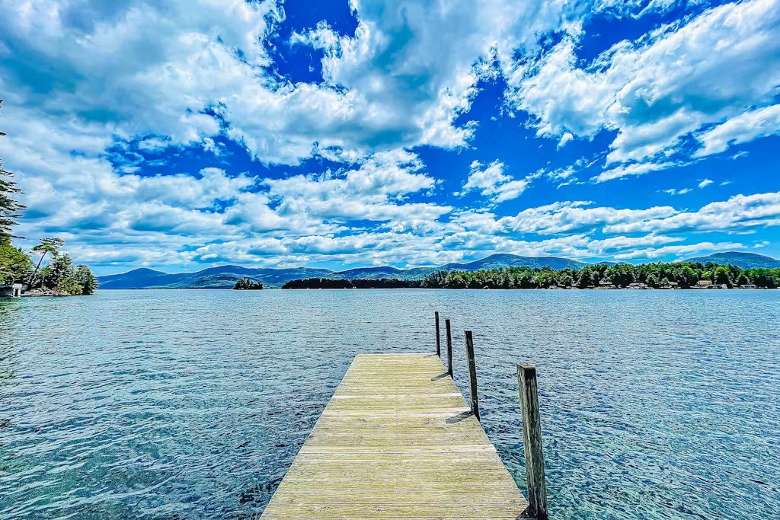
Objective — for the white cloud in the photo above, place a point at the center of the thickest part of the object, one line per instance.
(491, 181)
(663, 87)
(704, 183)
(631, 170)
(739, 211)
(565, 216)
(191, 71)
(677, 191)
(740, 129)
(395, 83)
(686, 249)
(375, 191)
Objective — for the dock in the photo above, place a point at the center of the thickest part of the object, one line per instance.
(397, 440)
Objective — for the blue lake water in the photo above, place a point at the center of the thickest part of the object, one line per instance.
(192, 404)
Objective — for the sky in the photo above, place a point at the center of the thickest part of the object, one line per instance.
(180, 135)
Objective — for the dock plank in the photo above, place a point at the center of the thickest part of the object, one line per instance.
(396, 441)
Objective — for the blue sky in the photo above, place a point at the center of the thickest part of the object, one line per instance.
(353, 133)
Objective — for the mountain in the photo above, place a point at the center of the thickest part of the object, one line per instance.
(222, 277)
(743, 260)
(506, 260)
(226, 276)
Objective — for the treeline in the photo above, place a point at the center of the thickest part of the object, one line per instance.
(657, 275)
(332, 283)
(59, 276)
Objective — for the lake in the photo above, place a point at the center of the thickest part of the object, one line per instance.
(193, 403)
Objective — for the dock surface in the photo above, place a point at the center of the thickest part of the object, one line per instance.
(397, 441)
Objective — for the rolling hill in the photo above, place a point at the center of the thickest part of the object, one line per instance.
(743, 260)
(227, 275)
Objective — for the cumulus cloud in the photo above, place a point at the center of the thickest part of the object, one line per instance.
(491, 181)
(739, 211)
(195, 75)
(631, 170)
(664, 86)
(560, 217)
(188, 72)
(740, 129)
(374, 191)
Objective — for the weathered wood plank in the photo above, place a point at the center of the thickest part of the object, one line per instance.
(396, 441)
(532, 442)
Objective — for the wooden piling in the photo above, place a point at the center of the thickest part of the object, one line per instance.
(472, 374)
(532, 443)
(438, 335)
(449, 346)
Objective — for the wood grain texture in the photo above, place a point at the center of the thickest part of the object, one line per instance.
(449, 346)
(532, 442)
(472, 373)
(396, 441)
(438, 334)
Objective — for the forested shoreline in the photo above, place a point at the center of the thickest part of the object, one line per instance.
(598, 276)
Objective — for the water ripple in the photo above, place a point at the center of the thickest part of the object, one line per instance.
(192, 404)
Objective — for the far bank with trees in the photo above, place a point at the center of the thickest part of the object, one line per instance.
(664, 275)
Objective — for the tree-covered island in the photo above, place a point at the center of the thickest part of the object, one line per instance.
(247, 284)
(670, 275)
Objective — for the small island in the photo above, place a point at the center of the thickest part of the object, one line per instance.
(247, 284)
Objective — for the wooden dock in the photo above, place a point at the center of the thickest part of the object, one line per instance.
(397, 440)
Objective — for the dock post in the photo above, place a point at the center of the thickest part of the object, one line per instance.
(532, 443)
(438, 335)
(472, 373)
(449, 346)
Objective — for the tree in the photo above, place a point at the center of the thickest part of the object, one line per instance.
(15, 265)
(651, 280)
(86, 280)
(10, 208)
(722, 276)
(686, 276)
(59, 270)
(620, 275)
(48, 245)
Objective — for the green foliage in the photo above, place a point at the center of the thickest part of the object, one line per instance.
(62, 276)
(15, 265)
(722, 276)
(9, 206)
(47, 245)
(60, 268)
(85, 279)
(248, 284)
(658, 275)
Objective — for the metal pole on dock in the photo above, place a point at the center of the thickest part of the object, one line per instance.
(449, 346)
(472, 374)
(438, 335)
(532, 443)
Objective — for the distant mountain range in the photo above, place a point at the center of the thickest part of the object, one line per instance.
(226, 276)
(743, 260)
